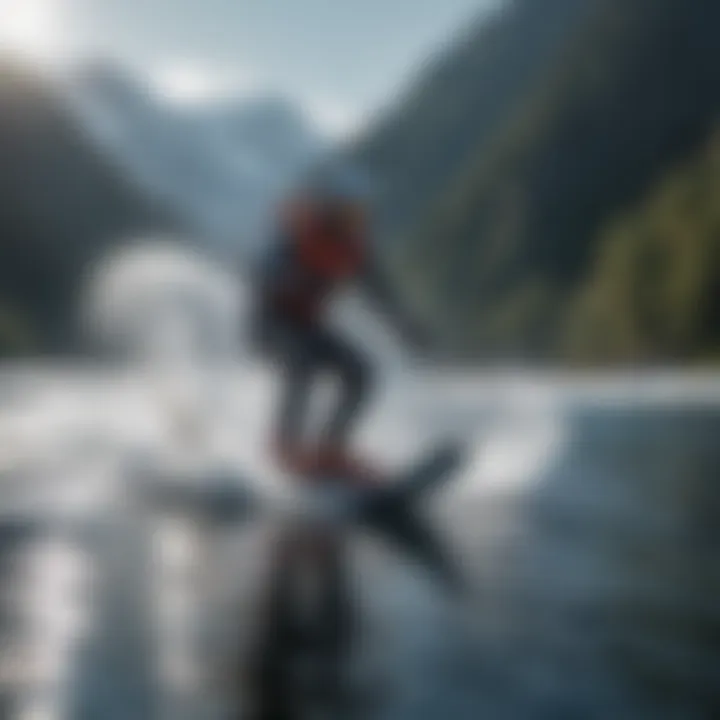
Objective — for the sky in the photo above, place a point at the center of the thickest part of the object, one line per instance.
(342, 59)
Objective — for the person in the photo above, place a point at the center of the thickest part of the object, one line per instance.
(321, 245)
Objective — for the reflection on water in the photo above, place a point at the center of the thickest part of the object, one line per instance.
(608, 595)
(588, 519)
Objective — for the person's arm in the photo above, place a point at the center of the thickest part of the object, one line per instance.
(377, 287)
(276, 279)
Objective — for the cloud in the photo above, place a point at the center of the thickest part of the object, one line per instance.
(189, 81)
(33, 28)
(197, 81)
(335, 118)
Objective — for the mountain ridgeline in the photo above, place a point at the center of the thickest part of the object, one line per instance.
(219, 167)
(62, 206)
(552, 183)
(95, 158)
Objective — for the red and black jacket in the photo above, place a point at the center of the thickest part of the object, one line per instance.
(309, 260)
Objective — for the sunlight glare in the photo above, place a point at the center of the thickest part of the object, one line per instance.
(31, 28)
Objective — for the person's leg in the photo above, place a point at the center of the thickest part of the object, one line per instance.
(302, 353)
(353, 371)
(305, 352)
(298, 375)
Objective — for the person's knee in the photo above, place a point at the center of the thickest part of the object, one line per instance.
(358, 376)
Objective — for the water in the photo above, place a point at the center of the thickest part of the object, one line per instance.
(587, 520)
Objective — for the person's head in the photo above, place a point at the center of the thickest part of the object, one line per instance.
(341, 194)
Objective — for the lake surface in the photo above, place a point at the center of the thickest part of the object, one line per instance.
(587, 518)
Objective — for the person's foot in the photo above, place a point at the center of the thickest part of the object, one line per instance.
(295, 459)
(326, 460)
(340, 462)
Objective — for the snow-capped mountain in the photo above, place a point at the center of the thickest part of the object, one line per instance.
(219, 167)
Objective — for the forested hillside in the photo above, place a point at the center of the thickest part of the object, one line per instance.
(510, 163)
(654, 291)
(61, 206)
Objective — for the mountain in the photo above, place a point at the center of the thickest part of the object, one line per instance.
(510, 160)
(654, 289)
(219, 166)
(462, 101)
(62, 207)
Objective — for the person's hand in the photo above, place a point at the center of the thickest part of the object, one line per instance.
(419, 339)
